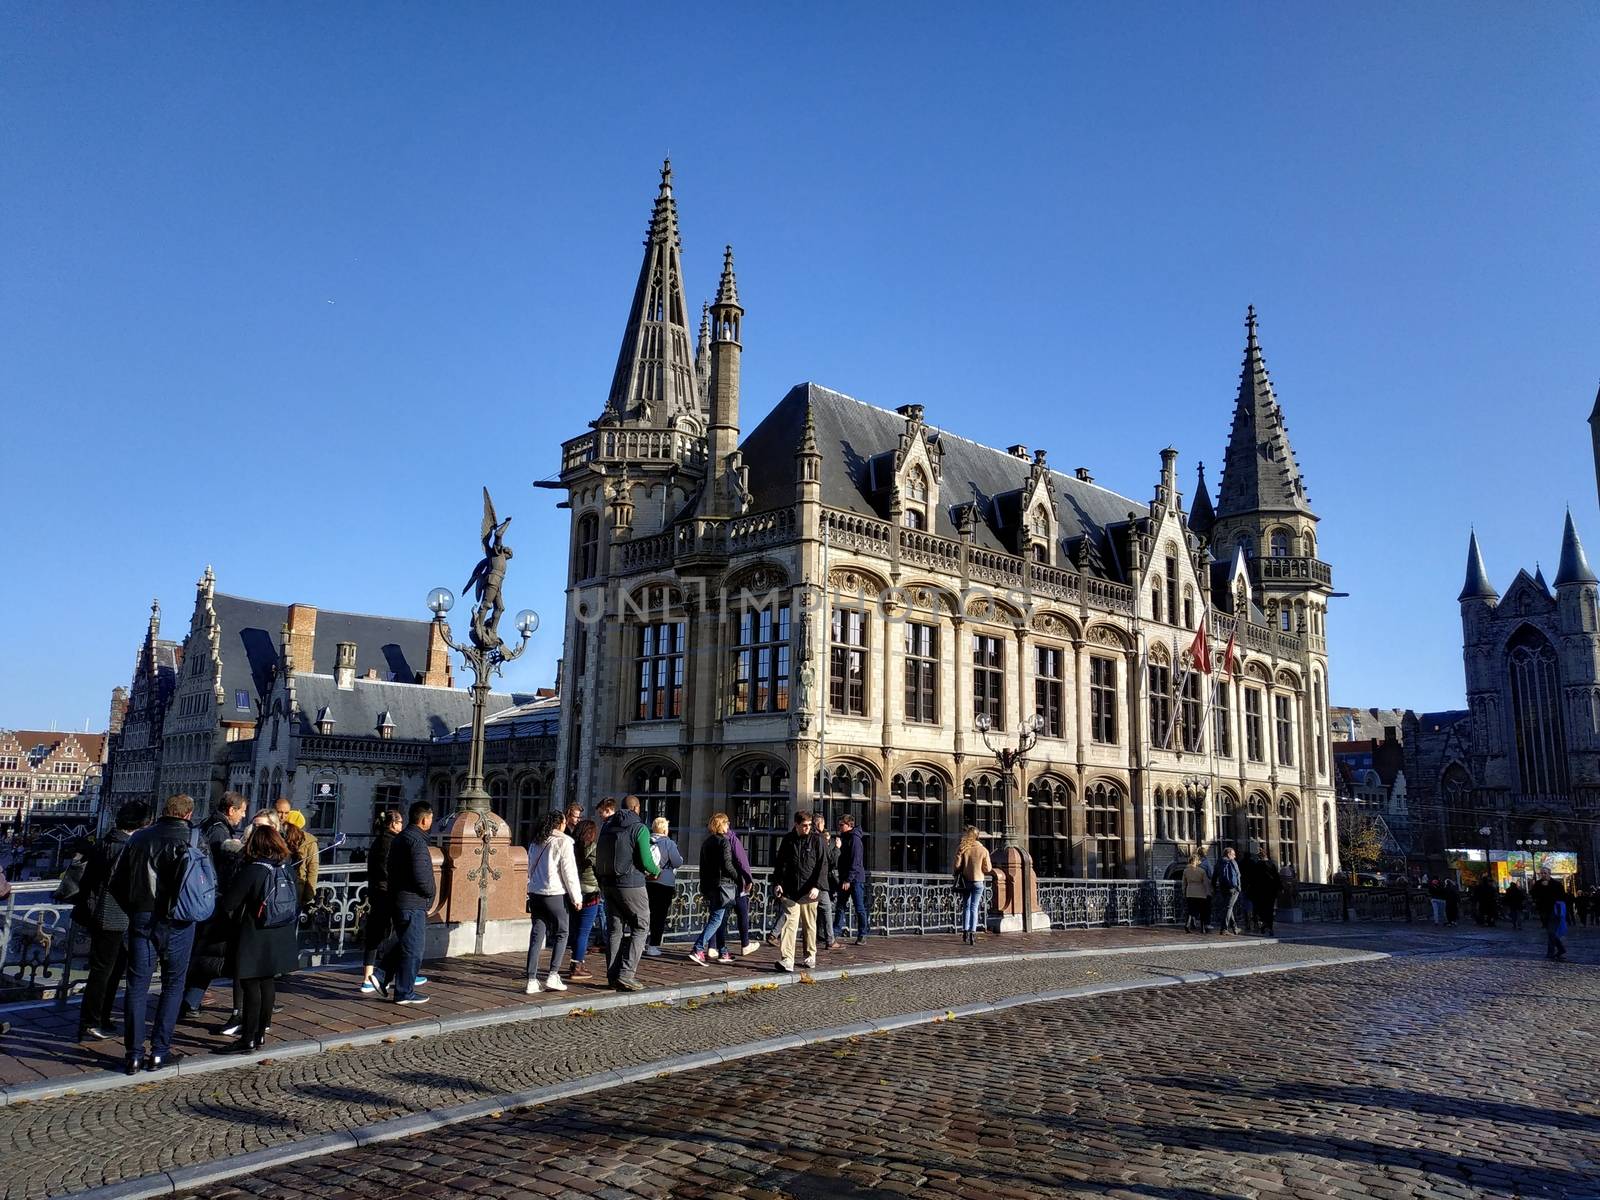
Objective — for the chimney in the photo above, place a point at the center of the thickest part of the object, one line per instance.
(303, 636)
(1082, 474)
(1019, 451)
(437, 672)
(372, 673)
(119, 709)
(344, 670)
(911, 412)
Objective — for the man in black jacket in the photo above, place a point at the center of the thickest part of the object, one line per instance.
(799, 872)
(411, 893)
(101, 917)
(145, 883)
(220, 834)
(624, 859)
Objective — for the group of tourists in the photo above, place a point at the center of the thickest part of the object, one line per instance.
(1231, 891)
(616, 869)
(219, 899)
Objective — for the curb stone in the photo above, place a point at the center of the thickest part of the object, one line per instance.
(168, 1183)
(202, 1064)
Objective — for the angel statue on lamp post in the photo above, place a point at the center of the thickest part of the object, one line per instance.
(484, 652)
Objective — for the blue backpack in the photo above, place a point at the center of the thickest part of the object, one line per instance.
(280, 903)
(196, 897)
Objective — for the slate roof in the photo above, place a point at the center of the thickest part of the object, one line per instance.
(1574, 566)
(395, 647)
(419, 713)
(1477, 585)
(527, 716)
(851, 434)
(1259, 472)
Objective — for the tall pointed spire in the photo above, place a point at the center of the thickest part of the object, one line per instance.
(655, 376)
(1574, 565)
(1594, 436)
(702, 359)
(1477, 586)
(1201, 515)
(1259, 472)
(729, 493)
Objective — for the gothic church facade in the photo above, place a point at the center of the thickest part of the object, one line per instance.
(822, 610)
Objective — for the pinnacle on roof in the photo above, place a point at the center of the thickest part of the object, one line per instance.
(1538, 579)
(1201, 515)
(1574, 565)
(655, 377)
(1477, 586)
(728, 288)
(1259, 473)
(808, 436)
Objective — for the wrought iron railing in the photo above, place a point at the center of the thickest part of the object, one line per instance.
(1092, 903)
(1327, 902)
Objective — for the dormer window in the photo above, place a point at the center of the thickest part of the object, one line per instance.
(324, 720)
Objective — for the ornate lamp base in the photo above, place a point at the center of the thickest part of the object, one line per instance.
(484, 881)
(1010, 899)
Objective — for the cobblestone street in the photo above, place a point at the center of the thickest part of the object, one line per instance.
(1464, 1067)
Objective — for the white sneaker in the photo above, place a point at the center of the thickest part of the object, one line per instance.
(712, 953)
(554, 982)
(533, 986)
(808, 963)
(750, 948)
(653, 951)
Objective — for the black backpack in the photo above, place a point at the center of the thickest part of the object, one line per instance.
(280, 903)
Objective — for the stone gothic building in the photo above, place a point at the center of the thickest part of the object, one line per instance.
(1526, 762)
(133, 766)
(821, 610)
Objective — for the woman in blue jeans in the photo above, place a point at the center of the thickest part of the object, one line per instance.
(971, 869)
(585, 835)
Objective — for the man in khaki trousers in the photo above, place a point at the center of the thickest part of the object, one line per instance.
(798, 879)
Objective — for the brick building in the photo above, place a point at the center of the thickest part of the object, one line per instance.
(49, 779)
(818, 611)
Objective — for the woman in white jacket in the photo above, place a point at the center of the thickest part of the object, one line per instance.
(552, 886)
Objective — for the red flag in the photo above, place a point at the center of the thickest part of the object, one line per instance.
(1228, 662)
(1200, 650)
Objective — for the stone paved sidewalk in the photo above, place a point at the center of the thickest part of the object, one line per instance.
(58, 1146)
(1435, 1076)
(322, 1005)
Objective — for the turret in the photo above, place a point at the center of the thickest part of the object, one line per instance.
(1577, 589)
(727, 489)
(1477, 586)
(1201, 515)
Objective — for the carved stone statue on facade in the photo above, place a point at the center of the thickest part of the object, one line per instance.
(487, 578)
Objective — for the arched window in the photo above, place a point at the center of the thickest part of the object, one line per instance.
(1541, 742)
(1039, 523)
(1327, 835)
(262, 798)
(1227, 820)
(1255, 827)
(1155, 600)
(1180, 818)
(587, 562)
(1050, 827)
(1245, 543)
(1188, 607)
(847, 788)
(277, 785)
(531, 799)
(983, 805)
(916, 822)
(1283, 619)
(1280, 543)
(759, 795)
(499, 788)
(1321, 732)
(1102, 812)
(1289, 835)
(660, 789)
(917, 486)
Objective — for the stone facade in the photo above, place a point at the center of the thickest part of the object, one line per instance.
(1526, 761)
(231, 684)
(519, 756)
(815, 615)
(133, 758)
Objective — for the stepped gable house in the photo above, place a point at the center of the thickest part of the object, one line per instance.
(232, 688)
(816, 611)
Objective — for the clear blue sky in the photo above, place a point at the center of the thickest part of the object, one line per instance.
(263, 265)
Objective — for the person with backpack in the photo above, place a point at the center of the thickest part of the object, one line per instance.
(101, 918)
(165, 882)
(262, 903)
(222, 834)
(626, 859)
(302, 855)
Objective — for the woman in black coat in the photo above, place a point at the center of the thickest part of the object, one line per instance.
(263, 953)
(380, 916)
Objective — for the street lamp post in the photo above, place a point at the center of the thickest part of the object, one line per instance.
(486, 662)
(477, 842)
(1197, 787)
(1010, 761)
